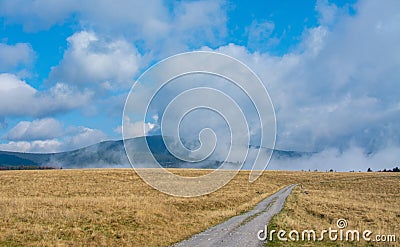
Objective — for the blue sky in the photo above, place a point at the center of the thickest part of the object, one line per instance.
(331, 68)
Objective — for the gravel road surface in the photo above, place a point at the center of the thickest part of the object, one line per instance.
(242, 230)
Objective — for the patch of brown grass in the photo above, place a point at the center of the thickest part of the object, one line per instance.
(366, 200)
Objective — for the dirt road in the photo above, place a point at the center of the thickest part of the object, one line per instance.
(242, 230)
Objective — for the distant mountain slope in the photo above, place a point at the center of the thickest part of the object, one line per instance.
(11, 160)
(112, 154)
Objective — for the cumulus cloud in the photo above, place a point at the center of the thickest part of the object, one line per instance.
(37, 15)
(15, 57)
(135, 129)
(49, 135)
(148, 23)
(327, 12)
(137, 19)
(196, 23)
(18, 98)
(90, 60)
(260, 35)
(39, 129)
(174, 25)
(47, 146)
(82, 136)
(339, 87)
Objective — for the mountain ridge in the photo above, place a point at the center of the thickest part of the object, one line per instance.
(111, 154)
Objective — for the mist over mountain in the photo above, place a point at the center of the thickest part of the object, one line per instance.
(111, 154)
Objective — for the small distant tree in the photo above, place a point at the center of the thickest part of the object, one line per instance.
(331, 170)
(396, 169)
(369, 170)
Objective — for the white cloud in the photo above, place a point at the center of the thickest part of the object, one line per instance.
(135, 129)
(327, 12)
(148, 23)
(17, 98)
(157, 22)
(90, 60)
(37, 15)
(39, 129)
(137, 19)
(352, 159)
(15, 56)
(260, 35)
(32, 146)
(82, 136)
(197, 23)
(340, 88)
(48, 135)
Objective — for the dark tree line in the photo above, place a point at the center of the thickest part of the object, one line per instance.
(396, 169)
(22, 167)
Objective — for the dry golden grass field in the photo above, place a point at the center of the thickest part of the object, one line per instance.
(114, 207)
(367, 201)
